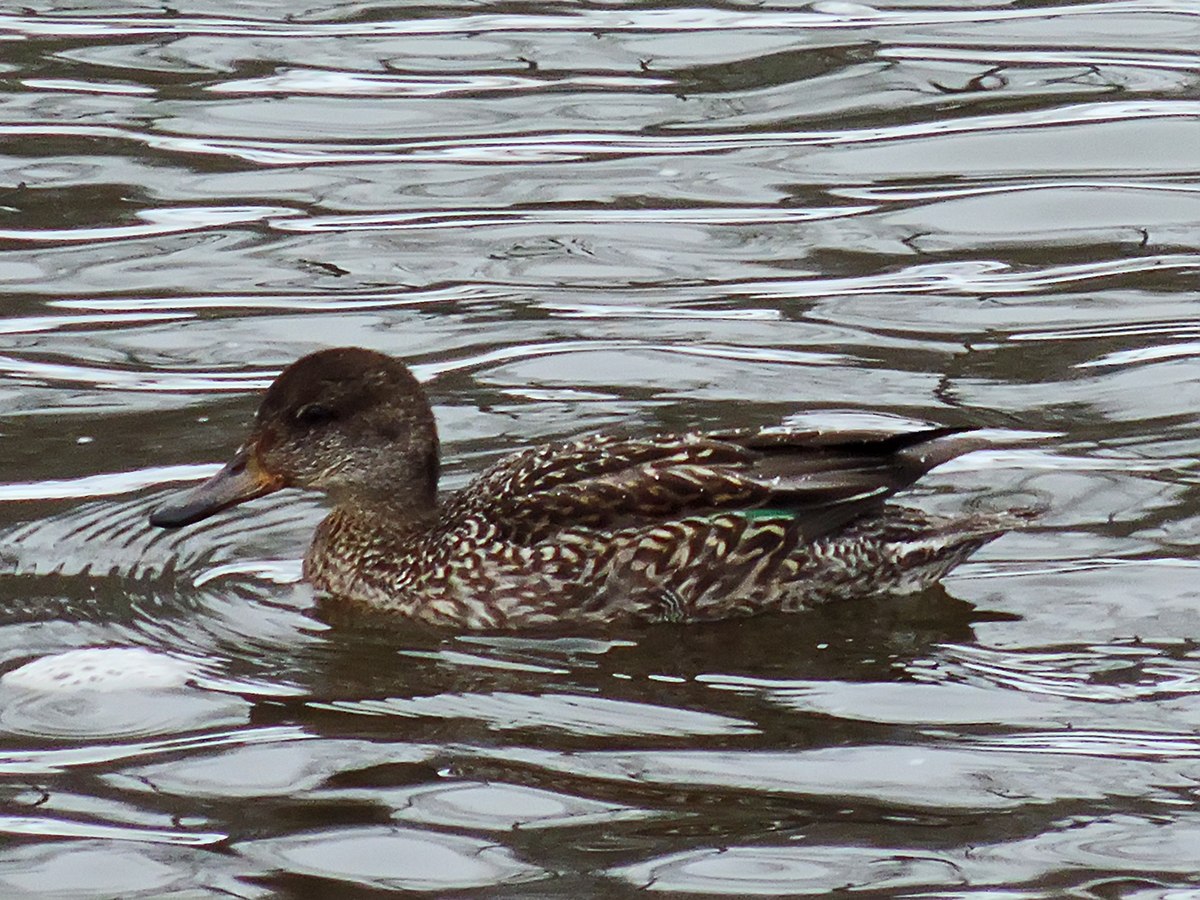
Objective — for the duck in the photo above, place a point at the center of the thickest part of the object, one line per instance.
(599, 530)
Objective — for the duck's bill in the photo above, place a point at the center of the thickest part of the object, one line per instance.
(239, 481)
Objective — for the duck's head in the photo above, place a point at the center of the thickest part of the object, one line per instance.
(352, 423)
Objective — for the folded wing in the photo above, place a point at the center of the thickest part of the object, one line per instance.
(823, 478)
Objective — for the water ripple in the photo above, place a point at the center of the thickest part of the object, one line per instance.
(127, 380)
(479, 218)
(1117, 672)
(159, 222)
(343, 301)
(44, 826)
(1085, 742)
(794, 871)
(994, 57)
(41, 762)
(393, 858)
(970, 278)
(334, 83)
(565, 145)
(571, 714)
(43, 324)
(825, 15)
(106, 484)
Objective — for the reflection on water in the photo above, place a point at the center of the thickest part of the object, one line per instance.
(569, 219)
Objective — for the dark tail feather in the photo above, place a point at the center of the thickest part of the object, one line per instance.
(938, 446)
(833, 481)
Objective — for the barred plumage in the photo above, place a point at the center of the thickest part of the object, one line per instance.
(673, 528)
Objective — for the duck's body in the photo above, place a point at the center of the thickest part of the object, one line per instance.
(680, 528)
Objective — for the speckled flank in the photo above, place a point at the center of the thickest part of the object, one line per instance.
(693, 569)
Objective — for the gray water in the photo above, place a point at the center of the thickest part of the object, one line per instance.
(571, 217)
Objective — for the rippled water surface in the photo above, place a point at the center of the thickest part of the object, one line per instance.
(574, 216)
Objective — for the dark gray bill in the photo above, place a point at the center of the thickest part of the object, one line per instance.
(241, 480)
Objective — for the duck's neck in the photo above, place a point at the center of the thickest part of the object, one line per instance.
(373, 525)
(364, 541)
(389, 511)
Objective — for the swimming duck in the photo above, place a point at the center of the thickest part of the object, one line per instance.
(678, 527)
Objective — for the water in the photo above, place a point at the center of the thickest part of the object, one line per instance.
(569, 217)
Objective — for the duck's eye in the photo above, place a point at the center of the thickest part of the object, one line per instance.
(313, 414)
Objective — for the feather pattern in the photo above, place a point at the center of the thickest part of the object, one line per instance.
(678, 528)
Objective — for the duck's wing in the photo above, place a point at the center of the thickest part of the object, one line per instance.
(823, 479)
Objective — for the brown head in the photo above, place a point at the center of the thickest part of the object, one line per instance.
(352, 423)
